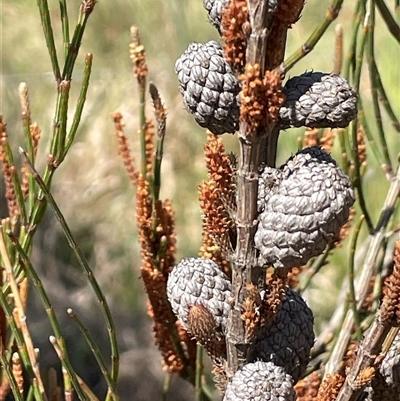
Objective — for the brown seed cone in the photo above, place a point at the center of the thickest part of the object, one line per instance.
(202, 325)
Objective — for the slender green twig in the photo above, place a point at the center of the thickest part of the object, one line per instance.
(310, 43)
(199, 373)
(60, 124)
(68, 386)
(19, 339)
(385, 100)
(26, 336)
(166, 386)
(374, 88)
(87, 390)
(390, 22)
(84, 265)
(67, 366)
(81, 102)
(48, 34)
(160, 115)
(353, 127)
(142, 129)
(361, 118)
(352, 291)
(5, 364)
(96, 352)
(65, 26)
(350, 60)
(33, 276)
(314, 269)
(85, 10)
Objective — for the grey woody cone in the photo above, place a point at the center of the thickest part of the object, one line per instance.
(197, 281)
(386, 383)
(260, 381)
(288, 339)
(214, 9)
(209, 87)
(302, 207)
(318, 100)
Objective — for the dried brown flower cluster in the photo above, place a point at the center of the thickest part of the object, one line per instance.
(8, 173)
(149, 144)
(390, 310)
(250, 316)
(216, 197)
(261, 98)
(361, 148)
(123, 147)
(17, 371)
(272, 301)
(138, 57)
(158, 246)
(317, 137)
(293, 276)
(307, 388)
(330, 387)
(234, 33)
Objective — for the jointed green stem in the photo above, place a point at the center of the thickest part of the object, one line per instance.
(199, 373)
(65, 26)
(142, 130)
(374, 87)
(391, 23)
(354, 125)
(352, 293)
(48, 34)
(60, 124)
(308, 46)
(81, 102)
(85, 10)
(112, 393)
(68, 368)
(85, 267)
(19, 339)
(385, 100)
(161, 129)
(314, 269)
(33, 276)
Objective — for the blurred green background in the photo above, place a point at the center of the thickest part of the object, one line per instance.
(92, 188)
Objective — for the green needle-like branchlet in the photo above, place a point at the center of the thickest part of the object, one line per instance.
(112, 394)
(309, 44)
(48, 34)
(85, 267)
(65, 26)
(85, 10)
(352, 292)
(81, 102)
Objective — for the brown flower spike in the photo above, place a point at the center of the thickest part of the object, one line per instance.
(390, 305)
(234, 22)
(216, 195)
(261, 97)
